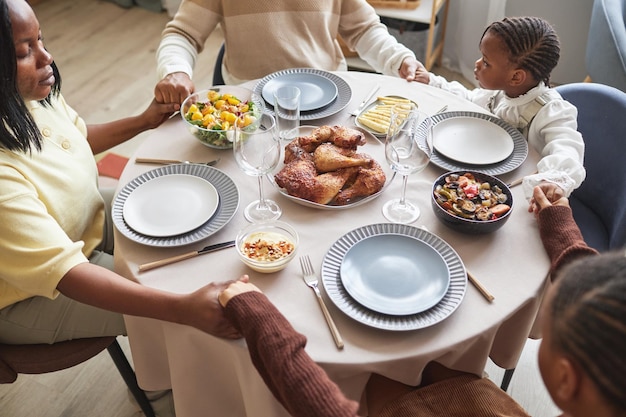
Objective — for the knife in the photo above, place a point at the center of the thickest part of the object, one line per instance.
(172, 161)
(188, 255)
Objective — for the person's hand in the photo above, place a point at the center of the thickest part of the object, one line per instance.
(236, 288)
(547, 194)
(174, 88)
(157, 113)
(203, 310)
(413, 70)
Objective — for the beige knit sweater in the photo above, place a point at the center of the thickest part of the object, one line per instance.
(264, 36)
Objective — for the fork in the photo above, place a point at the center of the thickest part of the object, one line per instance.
(308, 274)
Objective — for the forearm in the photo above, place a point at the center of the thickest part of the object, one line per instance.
(175, 54)
(453, 87)
(102, 137)
(99, 287)
(277, 352)
(184, 37)
(561, 237)
(382, 51)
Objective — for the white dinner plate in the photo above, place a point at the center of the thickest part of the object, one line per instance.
(331, 279)
(226, 207)
(344, 92)
(316, 91)
(170, 205)
(471, 140)
(395, 274)
(514, 160)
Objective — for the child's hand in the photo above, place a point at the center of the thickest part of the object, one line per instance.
(547, 194)
(422, 76)
(413, 70)
(234, 289)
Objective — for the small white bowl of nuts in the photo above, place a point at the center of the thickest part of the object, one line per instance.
(267, 247)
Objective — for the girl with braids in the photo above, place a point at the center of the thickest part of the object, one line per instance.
(52, 216)
(581, 357)
(513, 73)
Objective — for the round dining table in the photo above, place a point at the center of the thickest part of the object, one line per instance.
(212, 376)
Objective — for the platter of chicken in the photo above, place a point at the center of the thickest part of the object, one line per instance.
(332, 168)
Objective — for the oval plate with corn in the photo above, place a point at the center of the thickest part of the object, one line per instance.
(375, 118)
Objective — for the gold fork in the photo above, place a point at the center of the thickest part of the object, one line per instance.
(308, 273)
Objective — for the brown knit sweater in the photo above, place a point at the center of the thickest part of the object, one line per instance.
(561, 237)
(305, 390)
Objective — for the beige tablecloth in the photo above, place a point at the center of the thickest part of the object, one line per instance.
(210, 376)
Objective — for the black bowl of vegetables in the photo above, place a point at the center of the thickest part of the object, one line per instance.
(471, 202)
(211, 114)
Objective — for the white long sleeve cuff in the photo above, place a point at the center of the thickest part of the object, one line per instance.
(175, 54)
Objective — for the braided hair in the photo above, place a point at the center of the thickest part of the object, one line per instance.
(18, 130)
(532, 43)
(588, 321)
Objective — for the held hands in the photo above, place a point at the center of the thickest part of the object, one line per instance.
(235, 288)
(413, 70)
(203, 308)
(174, 88)
(547, 194)
(205, 312)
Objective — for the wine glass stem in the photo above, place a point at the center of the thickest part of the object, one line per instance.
(403, 195)
(262, 203)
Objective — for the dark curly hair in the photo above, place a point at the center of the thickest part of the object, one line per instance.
(532, 43)
(18, 130)
(588, 321)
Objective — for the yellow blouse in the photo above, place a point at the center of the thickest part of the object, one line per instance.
(51, 211)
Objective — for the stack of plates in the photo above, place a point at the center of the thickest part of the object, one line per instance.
(322, 93)
(394, 277)
(478, 142)
(175, 205)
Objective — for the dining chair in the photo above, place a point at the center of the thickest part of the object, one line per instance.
(599, 204)
(605, 57)
(217, 70)
(44, 358)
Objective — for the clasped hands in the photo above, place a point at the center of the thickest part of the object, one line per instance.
(216, 295)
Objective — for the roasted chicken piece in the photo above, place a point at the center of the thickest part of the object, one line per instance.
(299, 178)
(294, 151)
(368, 181)
(343, 137)
(328, 157)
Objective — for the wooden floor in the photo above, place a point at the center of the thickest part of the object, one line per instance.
(106, 56)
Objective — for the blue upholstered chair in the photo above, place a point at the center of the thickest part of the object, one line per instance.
(599, 204)
(605, 57)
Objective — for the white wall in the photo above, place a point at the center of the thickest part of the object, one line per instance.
(467, 20)
(570, 19)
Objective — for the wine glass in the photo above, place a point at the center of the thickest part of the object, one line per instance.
(408, 148)
(257, 151)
